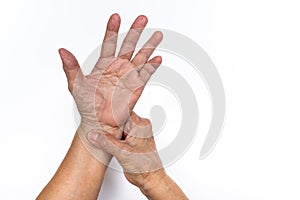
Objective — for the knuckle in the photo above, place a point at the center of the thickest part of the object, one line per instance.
(146, 121)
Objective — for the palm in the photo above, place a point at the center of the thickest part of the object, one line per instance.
(118, 89)
(108, 94)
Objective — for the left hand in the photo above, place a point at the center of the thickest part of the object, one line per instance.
(105, 98)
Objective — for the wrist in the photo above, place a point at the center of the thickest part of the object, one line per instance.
(97, 154)
(79, 172)
(85, 128)
(152, 181)
(161, 186)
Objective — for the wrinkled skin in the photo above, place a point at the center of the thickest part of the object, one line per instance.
(137, 153)
(105, 98)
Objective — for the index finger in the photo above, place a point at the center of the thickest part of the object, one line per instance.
(109, 44)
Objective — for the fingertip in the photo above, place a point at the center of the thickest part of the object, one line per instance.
(140, 22)
(61, 51)
(158, 35)
(114, 22)
(159, 59)
(64, 53)
(143, 18)
(115, 17)
(156, 60)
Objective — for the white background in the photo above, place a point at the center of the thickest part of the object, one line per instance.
(254, 44)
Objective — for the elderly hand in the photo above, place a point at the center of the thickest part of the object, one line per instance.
(138, 156)
(137, 153)
(105, 98)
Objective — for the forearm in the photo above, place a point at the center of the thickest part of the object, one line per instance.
(79, 176)
(161, 186)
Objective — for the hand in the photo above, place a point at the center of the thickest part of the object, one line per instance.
(137, 153)
(105, 98)
(138, 156)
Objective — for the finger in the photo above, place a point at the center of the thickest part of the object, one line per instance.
(111, 36)
(149, 68)
(146, 51)
(131, 39)
(137, 127)
(70, 66)
(107, 143)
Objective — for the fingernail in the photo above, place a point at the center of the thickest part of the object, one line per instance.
(93, 136)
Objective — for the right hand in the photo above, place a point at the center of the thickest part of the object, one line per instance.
(137, 153)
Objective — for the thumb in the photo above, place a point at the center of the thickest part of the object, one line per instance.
(107, 143)
(70, 66)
